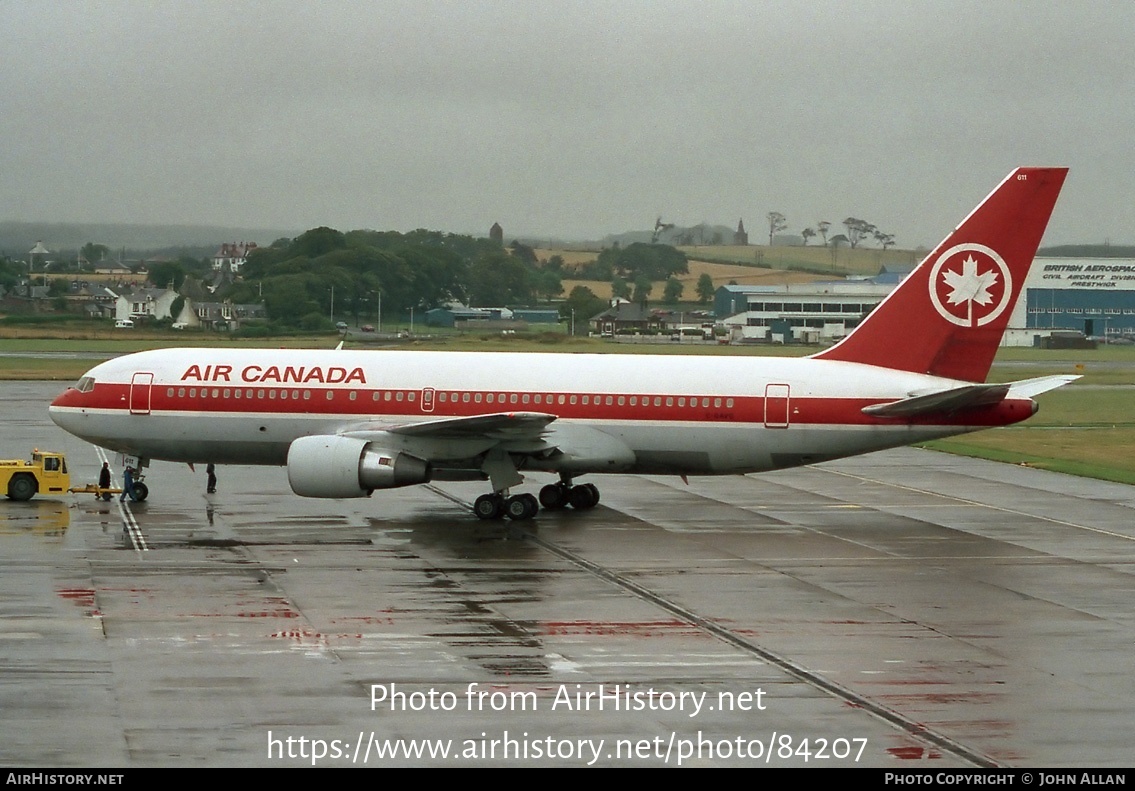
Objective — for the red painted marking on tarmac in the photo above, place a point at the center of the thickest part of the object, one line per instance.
(627, 628)
(84, 597)
(913, 753)
(945, 697)
(371, 620)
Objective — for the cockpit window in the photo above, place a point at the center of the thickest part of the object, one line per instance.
(85, 384)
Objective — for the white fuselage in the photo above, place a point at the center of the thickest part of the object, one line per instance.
(675, 413)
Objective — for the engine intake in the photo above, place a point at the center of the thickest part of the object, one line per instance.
(331, 466)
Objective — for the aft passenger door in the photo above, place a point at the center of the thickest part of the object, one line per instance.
(140, 386)
(776, 406)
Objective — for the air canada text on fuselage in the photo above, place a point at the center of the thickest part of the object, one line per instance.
(297, 374)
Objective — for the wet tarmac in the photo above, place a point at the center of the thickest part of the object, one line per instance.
(906, 609)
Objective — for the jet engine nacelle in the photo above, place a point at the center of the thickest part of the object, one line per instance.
(330, 466)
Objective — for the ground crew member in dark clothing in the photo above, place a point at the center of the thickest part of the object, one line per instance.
(211, 483)
(104, 476)
(128, 485)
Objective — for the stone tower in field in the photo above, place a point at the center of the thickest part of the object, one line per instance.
(496, 234)
(741, 237)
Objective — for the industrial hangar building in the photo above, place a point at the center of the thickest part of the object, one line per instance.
(1094, 296)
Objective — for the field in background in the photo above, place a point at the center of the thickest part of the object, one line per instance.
(751, 265)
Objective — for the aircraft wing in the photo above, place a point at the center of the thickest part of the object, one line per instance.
(958, 398)
(518, 432)
(500, 425)
(565, 447)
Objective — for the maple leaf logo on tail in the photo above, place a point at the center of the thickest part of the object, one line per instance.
(970, 285)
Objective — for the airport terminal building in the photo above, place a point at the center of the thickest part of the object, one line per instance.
(1094, 296)
(798, 312)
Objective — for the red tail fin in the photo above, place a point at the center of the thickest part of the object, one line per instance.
(948, 316)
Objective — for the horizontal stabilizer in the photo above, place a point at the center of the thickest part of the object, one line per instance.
(944, 401)
(1027, 388)
(957, 398)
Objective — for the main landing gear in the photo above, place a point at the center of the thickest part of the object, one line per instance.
(553, 497)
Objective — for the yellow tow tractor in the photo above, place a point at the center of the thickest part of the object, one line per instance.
(46, 473)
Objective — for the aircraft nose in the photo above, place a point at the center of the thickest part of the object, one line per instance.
(57, 410)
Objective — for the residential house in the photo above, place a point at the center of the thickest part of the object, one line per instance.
(145, 304)
(222, 316)
(624, 316)
(232, 256)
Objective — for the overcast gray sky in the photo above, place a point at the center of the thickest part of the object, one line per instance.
(567, 119)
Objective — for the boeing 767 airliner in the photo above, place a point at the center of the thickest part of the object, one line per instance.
(346, 423)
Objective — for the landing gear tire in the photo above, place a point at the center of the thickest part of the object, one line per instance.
(489, 506)
(554, 496)
(583, 496)
(594, 493)
(141, 491)
(521, 507)
(21, 487)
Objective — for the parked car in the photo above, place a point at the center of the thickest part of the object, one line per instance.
(124, 324)
(341, 326)
(367, 328)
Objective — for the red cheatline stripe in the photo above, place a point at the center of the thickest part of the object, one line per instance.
(362, 403)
